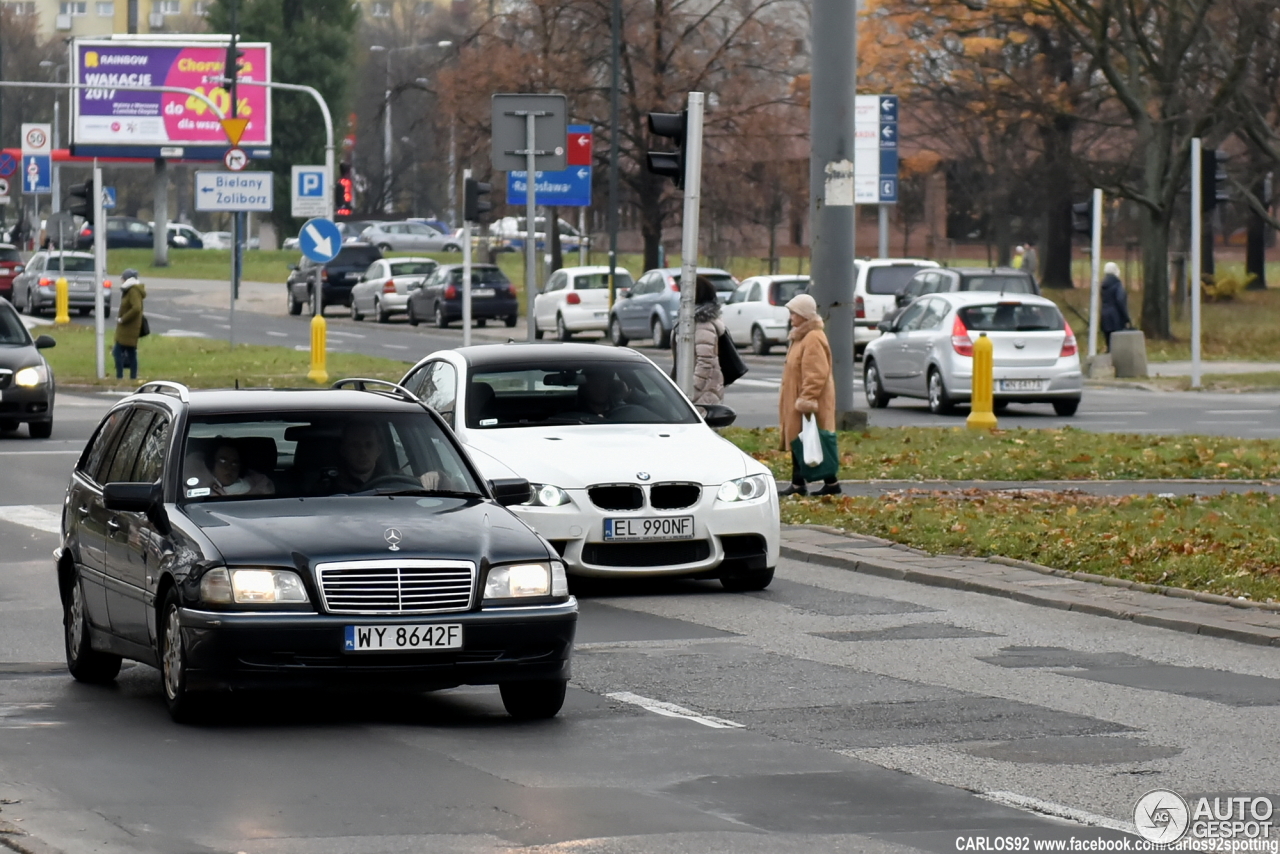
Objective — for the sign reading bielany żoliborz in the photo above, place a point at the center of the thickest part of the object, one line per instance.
(109, 119)
(235, 191)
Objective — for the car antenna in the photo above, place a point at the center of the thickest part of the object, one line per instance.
(237, 383)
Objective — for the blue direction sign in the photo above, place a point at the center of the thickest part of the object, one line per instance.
(37, 170)
(108, 198)
(888, 184)
(567, 188)
(320, 240)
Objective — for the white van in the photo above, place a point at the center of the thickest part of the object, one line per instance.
(878, 281)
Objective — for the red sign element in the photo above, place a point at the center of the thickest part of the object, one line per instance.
(579, 149)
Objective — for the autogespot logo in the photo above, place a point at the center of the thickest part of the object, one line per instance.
(1161, 816)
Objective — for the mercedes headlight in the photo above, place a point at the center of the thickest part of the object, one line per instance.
(32, 377)
(251, 586)
(526, 579)
(546, 495)
(746, 488)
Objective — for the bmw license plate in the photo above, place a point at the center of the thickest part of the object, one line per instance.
(482, 292)
(662, 528)
(1022, 385)
(403, 638)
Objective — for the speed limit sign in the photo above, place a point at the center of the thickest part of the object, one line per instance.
(235, 159)
(36, 139)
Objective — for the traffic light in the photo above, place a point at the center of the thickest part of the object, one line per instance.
(231, 70)
(343, 192)
(1213, 178)
(81, 200)
(476, 201)
(1082, 218)
(669, 163)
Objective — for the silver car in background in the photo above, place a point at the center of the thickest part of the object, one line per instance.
(384, 288)
(409, 237)
(927, 352)
(35, 288)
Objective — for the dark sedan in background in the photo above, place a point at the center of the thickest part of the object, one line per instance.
(334, 279)
(440, 297)
(26, 380)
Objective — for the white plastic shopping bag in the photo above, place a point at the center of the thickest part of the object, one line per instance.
(810, 441)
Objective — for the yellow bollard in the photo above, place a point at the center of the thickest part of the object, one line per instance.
(61, 301)
(319, 332)
(981, 414)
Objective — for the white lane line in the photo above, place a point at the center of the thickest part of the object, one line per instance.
(1239, 412)
(1109, 413)
(32, 516)
(275, 334)
(396, 346)
(182, 333)
(214, 316)
(345, 334)
(1233, 421)
(1035, 805)
(759, 383)
(33, 453)
(151, 314)
(671, 710)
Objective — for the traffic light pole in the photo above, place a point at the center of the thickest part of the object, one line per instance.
(689, 243)
(1197, 211)
(530, 220)
(1095, 264)
(99, 271)
(466, 272)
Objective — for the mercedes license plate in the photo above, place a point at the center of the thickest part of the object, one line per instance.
(662, 528)
(482, 292)
(1022, 385)
(403, 638)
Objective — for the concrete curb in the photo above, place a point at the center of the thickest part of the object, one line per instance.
(14, 838)
(1022, 581)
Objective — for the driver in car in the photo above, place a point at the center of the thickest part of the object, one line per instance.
(600, 393)
(361, 462)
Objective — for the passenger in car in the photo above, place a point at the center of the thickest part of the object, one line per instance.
(223, 472)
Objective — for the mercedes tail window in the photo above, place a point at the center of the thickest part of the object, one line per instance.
(600, 281)
(887, 281)
(1000, 283)
(1012, 317)
(301, 455)
(556, 392)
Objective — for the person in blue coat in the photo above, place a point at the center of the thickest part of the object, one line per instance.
(1115, 303)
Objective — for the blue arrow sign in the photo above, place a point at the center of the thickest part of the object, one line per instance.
(888, 108)
(108, 198)
(320, 240)
(567, 188)
(36, 172)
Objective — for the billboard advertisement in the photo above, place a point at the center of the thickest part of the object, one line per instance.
(108, 119)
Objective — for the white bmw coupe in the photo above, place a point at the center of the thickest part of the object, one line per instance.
(628, 477)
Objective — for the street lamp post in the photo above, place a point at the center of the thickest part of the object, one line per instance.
(387, 205)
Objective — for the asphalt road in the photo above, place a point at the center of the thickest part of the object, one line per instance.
(833, 712)
(178, 307)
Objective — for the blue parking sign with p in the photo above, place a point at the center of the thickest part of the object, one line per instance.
(311, 184)
(310, 191)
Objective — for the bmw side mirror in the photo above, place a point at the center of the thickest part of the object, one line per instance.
(44, 342)
(510, 490)
(717, 414)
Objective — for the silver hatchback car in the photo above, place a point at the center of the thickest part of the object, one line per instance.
(927, 352)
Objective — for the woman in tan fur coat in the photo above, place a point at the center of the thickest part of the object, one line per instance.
(807, 387)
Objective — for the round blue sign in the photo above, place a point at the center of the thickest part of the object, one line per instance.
(320, 240)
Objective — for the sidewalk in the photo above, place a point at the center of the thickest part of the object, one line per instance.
(1147, 604)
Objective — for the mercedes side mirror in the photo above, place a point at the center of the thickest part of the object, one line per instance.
(145, 498)
(510, 490)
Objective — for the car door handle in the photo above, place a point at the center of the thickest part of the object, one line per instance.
(82, 510)
(113, 524)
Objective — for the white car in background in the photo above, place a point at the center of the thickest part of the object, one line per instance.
(217, 240)
(756, 313)
(576, 299)
(628, 478)
(384, 288)
(409, 237)
(875, 293)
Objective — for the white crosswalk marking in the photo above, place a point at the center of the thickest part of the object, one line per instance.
(671, 710)
(47, 519)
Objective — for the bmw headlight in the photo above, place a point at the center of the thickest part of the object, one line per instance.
(32, 377)
(526, 579)
(251, 586)
(745, 488)
(546, 495)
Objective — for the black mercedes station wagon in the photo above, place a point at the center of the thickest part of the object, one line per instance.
(255, 539)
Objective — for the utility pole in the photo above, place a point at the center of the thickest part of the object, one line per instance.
(615, 27)
(831, 210)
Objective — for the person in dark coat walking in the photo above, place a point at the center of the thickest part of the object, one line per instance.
(1115, 303)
